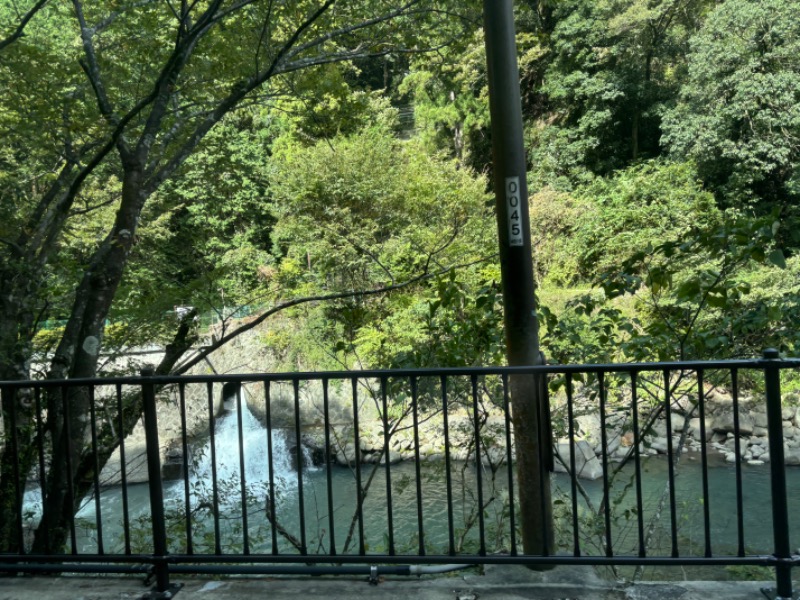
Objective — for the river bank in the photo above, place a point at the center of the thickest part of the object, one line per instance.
(438, 436)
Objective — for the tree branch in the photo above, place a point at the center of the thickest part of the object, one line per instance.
(20, 30)
(305, 300)
(240, 90)
(91, 67)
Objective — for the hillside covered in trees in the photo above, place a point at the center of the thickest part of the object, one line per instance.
(326, 165)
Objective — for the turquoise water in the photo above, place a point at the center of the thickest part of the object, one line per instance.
(404, 532)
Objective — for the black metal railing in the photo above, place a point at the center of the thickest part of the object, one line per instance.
(319, 472)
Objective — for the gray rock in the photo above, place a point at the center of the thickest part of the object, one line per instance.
(659, 429)
(614, 442)
(346, 455)
(724, 423)
(720, 399)
(678, 422)
(394, 457)
(659, 445)
(760, 419)
(588, 427)
(792, 456)
(587, 466)
(760, 432)
(494, 455)
(694, 428)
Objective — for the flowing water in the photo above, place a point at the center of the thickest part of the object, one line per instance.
(216, 521)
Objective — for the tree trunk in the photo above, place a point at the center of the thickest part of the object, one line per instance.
(76, 357)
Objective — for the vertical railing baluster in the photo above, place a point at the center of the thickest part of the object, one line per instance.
(780, 508)
(673, 513)
(96, 475)
(448, 475)
(545, 447)
(126, 519)
(512, 513)
(362, 550)
(637, 461)
(42, 471)
(573, 476)
(478, 464)
(387, 456)
(185, 452)
(701, 399)
(328, 465)
(242, 475)
(272, 505)
(739, 493)
(73, 538)
(299, 462)
(153, 450)
(417, 466)
(601, 381)
(214, 483)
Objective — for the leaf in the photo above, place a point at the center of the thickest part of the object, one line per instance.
(777, 258)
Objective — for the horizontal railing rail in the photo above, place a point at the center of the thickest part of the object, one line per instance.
(656, 464)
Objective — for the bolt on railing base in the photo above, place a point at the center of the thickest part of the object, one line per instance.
(170, 592)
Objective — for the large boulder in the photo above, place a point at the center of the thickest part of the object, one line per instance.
(694, 428)
(587, 466)
(724, 423)
(791, 456)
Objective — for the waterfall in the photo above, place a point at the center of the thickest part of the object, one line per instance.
(227, 459)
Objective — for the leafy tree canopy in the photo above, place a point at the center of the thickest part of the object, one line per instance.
(738, 115)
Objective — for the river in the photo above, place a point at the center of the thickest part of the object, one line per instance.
(227, 528)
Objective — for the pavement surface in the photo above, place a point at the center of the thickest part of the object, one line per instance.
(494, 583)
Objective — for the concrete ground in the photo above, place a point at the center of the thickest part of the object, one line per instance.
(496, 583)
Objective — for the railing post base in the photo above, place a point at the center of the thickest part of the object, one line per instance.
(772, 594)
(170, 592)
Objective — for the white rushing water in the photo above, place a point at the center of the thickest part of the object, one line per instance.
(228, 458)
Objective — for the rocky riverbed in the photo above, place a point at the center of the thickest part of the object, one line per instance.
(456, 432)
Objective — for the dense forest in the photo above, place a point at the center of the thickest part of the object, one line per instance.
(327, 165)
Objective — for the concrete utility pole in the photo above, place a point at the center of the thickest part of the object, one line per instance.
(531, 432)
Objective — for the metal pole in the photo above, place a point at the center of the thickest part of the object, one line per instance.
(519, 301)
(780, 508)
(156, 490)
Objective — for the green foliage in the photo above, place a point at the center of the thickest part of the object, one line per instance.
(369, 210)
(643, 205)
(611, 67)
(691, 297)
(450, 101)
(588, 231)
(462, 326)
(208, 231)
(739, 111)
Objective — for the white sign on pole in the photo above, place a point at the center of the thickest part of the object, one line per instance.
(514, 211)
